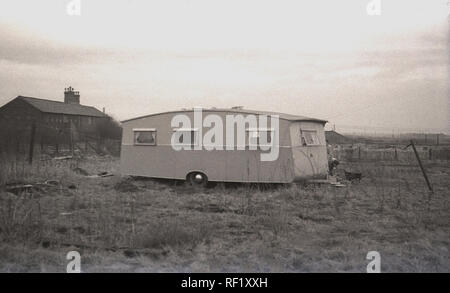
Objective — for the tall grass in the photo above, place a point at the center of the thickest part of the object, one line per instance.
(173, 233)
(20, 218)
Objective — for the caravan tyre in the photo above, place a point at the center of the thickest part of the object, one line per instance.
(197, 179)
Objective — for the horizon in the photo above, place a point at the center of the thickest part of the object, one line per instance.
(303, 58)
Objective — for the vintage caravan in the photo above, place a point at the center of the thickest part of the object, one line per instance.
(228, 145)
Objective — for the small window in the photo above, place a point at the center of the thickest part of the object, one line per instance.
(186, 136)
(144, 136)
(309, 137)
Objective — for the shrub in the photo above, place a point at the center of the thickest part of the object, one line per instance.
(109, 128)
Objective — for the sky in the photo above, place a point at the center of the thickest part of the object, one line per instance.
(320, 58)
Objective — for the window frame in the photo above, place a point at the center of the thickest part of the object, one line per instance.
(145, 130)
(302, 131)
(191, 144)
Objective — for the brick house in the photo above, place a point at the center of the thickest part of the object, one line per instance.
(52, 114)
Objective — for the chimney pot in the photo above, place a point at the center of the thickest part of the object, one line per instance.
(70, 96)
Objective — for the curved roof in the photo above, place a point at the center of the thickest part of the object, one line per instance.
(283, 116)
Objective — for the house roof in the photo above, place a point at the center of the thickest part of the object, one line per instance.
(283, 116)
(334, 137)
(49, 106)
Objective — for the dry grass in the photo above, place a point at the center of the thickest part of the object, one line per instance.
(120, 224)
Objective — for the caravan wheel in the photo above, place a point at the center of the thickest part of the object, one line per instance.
(197, 179)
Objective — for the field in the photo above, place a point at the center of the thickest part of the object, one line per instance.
(121, 224)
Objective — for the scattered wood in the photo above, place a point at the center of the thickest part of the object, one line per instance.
(338, 185)
(47, 183)
(52, 182)
(63, 158)
(101, 175)
(18, 188)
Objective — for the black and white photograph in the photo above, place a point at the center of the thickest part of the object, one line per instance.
(224, 136)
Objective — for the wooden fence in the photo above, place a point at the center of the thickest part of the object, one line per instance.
(37, 139)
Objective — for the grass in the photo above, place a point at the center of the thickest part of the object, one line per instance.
(119, 224)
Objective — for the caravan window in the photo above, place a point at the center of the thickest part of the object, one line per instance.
(256, 137)
(144, 136)
(309, 137)
(186, 136)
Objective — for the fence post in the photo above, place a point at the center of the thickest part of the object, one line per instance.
(421, 167)
(71, 138)
(56, 140)
(31, 149)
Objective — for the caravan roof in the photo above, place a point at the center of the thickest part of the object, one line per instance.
(284, 116)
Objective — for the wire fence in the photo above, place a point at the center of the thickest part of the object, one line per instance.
(395, 153)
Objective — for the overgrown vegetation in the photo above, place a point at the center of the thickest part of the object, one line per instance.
(109, 128)
(125, 224)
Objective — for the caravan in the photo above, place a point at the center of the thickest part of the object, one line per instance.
(225, 145)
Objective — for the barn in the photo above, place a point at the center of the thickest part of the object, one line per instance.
(149, 147)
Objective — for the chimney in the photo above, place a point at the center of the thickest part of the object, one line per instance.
(70, 96)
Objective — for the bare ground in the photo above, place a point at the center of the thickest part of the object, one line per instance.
(122, 224)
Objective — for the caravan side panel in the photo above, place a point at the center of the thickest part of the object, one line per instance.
(162, 161)
(143, 160)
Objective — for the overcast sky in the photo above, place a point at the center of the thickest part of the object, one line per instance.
(325, 59)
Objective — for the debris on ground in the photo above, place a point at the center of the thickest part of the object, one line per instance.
(331, 179)
(63, 158)
(18, 188)
(353, 175)
(338, 184)
(101, 174)
(52, 182)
